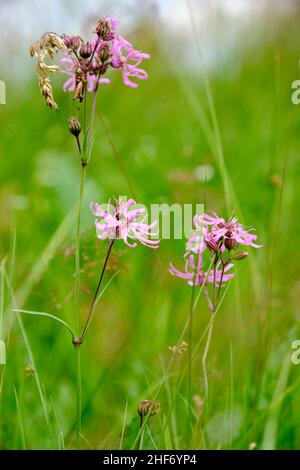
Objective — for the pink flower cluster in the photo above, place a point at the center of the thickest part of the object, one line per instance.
(195, 274)
(124, 222)
(221, 239)
(86, 63)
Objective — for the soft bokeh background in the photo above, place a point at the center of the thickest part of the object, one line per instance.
(218, 101)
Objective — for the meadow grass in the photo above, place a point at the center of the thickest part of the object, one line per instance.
(238, 119)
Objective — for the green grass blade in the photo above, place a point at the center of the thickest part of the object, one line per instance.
(20, 422)
(271, 427)
(48, 315)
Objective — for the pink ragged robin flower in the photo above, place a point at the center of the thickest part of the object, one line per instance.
(232, 232)
(126, 58)
(124, 222)
(220, 239)
(86, 63)
(70, 83)
(195, 275)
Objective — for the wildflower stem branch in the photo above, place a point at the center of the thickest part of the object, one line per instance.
(94, 301)
(77, 288)
(77, 243)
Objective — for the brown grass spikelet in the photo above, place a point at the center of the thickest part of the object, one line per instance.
(48, 45)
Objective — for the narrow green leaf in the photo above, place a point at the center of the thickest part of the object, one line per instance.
(49, 315)
(2, 353)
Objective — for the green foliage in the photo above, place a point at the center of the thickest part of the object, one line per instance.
(162, 132)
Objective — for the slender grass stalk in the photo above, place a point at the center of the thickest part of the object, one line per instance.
(117, 155)
(204, 357)
(20, 422)
(168, 369)
(123, 426)
(196, 348)
(60, 434)
(141, 434)
(30, 355)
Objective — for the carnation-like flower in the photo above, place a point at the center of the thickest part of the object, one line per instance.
(232, 232)
(124, 222)
(70, 83)
(216, 240)
(86, 63)
(125, 57)
(195, 274)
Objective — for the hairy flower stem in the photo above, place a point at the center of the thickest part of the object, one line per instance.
(94, 301)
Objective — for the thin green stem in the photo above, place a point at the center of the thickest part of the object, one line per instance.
(204, 357)
(140, 438)
(77, 284)
(190, 352)
(78, 395)
(77, 243)
(94, 301)
(76, 342)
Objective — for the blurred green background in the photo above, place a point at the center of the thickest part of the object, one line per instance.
(230, 63)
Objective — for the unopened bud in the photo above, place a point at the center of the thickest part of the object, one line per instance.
(104, 52)
(74, 126)
(231, 244)
(156, 408)
(212, 245)
(144, 407)
(71, 42)
(241, 255)
(103, 29)
(86, 50)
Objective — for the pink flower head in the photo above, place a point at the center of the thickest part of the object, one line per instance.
(70, 83)
(123, 222)
(125, 57)
(195, 275)
(231, 231)
(200, 240)
(86, 63)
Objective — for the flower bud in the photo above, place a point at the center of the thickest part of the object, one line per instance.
(156, 408)
(241, 255)
(103, 29)
(231, 244)
(74, 126)
(71, 42)
(86, 50)
(212, 245)
(144, 407)
(104, 53)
